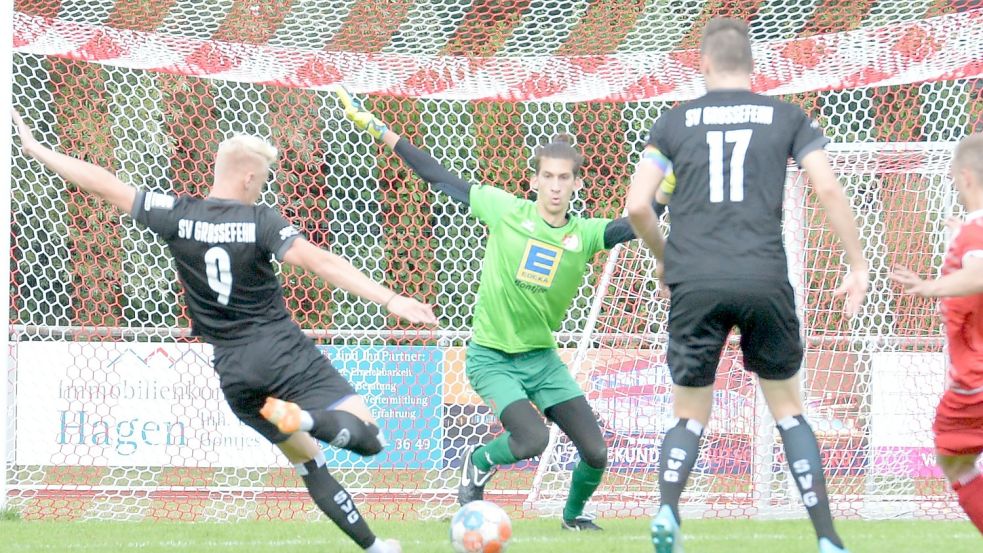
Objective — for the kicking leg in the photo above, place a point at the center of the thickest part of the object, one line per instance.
(346, 425)
(329, 495)
(576, 419)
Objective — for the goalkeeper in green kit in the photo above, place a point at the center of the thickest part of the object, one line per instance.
(534, 263)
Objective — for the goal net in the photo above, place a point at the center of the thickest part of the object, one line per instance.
(113, 412)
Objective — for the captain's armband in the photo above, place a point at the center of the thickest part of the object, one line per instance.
(651, 154)
(668, 184)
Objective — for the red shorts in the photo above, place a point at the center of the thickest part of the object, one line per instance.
(958, 425)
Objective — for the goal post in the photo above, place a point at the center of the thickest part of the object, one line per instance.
(133, 425)
(6, 452)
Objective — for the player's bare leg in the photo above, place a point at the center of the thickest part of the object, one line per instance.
(802, 451)
(967, 482)
(306, 455)
(348, 424)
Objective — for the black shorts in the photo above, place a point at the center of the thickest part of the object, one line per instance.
(702, 314)
(284, 364)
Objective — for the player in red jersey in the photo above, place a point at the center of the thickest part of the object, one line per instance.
(958, 423)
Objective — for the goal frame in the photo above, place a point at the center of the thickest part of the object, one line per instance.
(6, 99)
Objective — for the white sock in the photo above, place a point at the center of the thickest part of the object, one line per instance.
(306, 422)
(380, 546)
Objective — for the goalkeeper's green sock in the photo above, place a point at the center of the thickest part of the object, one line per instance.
(585, 480)
(495, 452)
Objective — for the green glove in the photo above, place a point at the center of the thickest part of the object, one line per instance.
(356, 113)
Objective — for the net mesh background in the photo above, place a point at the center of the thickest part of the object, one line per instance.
(149, 88)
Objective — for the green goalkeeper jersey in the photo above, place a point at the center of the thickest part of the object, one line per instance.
(531, 270)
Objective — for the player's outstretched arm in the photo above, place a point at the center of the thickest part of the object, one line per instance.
(967, 281)
(423, 164)
(619, 230)
(843, 223)
(90, 178)
(338, 272)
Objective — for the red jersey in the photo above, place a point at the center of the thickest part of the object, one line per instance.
(964, 315)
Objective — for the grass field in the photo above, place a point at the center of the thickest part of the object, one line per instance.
(539, 536)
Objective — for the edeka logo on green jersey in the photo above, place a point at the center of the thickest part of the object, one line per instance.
(539, 264)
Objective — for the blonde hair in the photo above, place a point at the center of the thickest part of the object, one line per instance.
(969, 155)
(249, 145)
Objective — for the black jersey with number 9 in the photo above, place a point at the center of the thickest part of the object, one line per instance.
(729, 151)
(223, 251)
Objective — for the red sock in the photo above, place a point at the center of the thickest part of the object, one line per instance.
(971, 499)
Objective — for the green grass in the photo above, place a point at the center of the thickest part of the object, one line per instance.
(531, 536)
(9, 514)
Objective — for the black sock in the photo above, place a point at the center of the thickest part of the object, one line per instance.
(335, 502)
(802, 452)
(345, 430)
(676, 459)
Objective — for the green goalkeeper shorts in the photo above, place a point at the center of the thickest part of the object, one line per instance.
(501, 378)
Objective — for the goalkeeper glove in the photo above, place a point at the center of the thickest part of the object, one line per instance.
(356, 113)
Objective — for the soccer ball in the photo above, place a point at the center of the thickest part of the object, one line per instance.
(480, 527)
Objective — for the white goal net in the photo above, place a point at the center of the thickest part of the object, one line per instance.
(113, 412)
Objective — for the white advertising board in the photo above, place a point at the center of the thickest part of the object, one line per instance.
(905, 389)
(128, 404)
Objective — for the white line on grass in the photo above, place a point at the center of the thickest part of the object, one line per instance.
(609, 538)
(235, 544)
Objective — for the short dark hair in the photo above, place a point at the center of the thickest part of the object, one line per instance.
(560, 147)
(726, 43)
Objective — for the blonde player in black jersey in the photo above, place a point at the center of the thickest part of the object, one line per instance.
(223, 247)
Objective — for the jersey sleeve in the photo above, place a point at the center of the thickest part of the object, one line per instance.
(430, 170)
(659, 138)
(594, 230)
(274, 234)
(808, 136)
(489, 204)
(156, 211)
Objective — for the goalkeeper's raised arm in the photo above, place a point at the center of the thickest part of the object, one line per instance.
(423, 164)
(430, 170)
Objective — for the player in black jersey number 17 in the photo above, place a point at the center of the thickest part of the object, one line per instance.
(725, 262)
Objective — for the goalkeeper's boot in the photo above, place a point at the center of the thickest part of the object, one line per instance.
(826, 546)
(666, 537)
(356, 113)
(473, 479)
(582, 523)
(284, 414)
